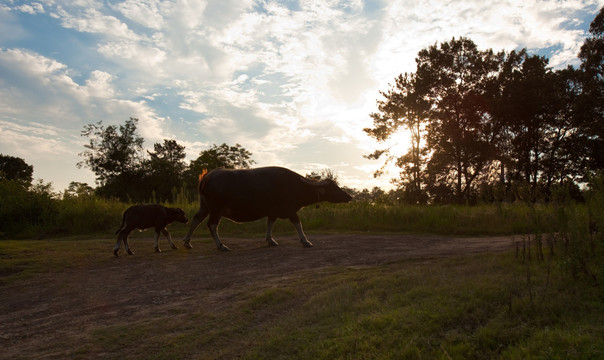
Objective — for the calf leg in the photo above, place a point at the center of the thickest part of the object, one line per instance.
(197, 219)
(298, 225)
(213, 227)
(269, 231)
(167, 235)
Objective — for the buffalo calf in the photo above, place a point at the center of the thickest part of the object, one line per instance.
(145, 216)
(251, 194)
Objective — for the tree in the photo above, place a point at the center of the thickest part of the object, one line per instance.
(225, 156)
(591, 103)
(447, 103)
(116, 159)
(16, 169)
(564, 154)
(460, 133)
(78, 190)
(403, 107)
(322, 175)
(165, 169)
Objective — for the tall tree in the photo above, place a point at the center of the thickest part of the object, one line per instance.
(526, 89)
(564, 157)
(229, 157)
(114, 154)
(15, 169)
(592, 99)
(404, 107)
(165, 169)
(456, 76)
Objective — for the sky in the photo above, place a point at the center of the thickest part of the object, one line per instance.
(292, 81)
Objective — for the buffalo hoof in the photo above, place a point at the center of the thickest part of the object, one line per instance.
(187, 245)
(115, 253)
(130, 252)
(307, 244)
(157, 250)
(223, 247)
(174, 247)
(272, 242)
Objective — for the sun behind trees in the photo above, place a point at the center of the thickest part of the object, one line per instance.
(494, 126)
(115, 154)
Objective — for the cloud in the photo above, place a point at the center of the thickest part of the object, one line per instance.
(292, 81)
(143, 12)
(91, 20)
(32, 9)
(44, 87)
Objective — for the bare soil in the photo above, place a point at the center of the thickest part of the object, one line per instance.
(38, 315)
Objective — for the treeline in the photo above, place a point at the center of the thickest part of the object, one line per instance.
(124, 171)
(494, 126)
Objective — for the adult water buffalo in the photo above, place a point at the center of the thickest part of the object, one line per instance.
(145, 216)
(251, 194)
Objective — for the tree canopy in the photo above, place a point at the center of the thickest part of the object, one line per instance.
(123, 171)
(480, 119)
(15, 169)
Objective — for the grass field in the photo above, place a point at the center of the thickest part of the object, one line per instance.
(542, 300)
(499, 306)
(103, 217)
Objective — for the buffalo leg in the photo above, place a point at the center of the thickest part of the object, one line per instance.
(122, 237)
(213, 227)
(118, 243)
(269, 231)
(157, 249)
(167, 235)
(197, 219)
(298, 225)
(125, 239)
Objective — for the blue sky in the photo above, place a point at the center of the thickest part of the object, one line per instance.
(291, 81)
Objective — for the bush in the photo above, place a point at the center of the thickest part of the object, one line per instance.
(88, 214)
(25, 212)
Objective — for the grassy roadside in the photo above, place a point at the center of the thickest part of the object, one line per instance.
(473, 307)
(500, 306)
(23, 259)
(544, 302)
(87, 216)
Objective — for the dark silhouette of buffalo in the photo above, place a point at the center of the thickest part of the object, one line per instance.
(145, 216)
(251, 194)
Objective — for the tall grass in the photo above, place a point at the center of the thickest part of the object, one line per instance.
(39, 216)
(26, 214)
(432, 219)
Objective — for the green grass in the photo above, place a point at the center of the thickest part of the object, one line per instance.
(460, 308)
(23, 259)
(360, 217)
(92, 215)
(470, 307)
(498, 306)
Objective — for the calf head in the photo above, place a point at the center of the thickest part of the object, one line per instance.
(177, 214)
(330, 191)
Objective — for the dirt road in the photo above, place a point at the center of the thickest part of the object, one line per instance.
(69, 305)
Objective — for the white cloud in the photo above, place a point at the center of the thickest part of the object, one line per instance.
(91, 20)
(144, 12)
(294, 82)
(135, 56)
(32, 9)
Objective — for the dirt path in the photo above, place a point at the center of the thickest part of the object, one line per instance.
(72, 303)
